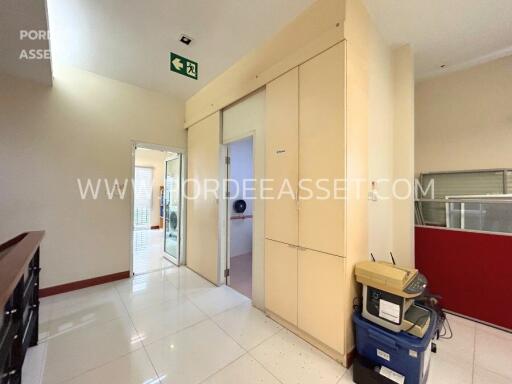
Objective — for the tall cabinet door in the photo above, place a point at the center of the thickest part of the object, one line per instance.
(203, 213)
(320, 296)
(281, 153)
(322, 150)
(281, 280)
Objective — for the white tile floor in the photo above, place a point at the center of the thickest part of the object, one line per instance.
(174, 327)
(148, 251)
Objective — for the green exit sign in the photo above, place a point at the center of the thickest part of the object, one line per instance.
(184, 66)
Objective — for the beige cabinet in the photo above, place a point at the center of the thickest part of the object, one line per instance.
(281, 280)
(322, 150)
(305, 140)
(305, 278)
(321, 280)
(281, 165)
(203, 212)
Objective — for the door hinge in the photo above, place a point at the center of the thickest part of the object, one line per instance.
(226, 272)
(228, 160)
(228, 194)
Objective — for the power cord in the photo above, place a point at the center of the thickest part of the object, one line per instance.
(444, 330)
(356, 304)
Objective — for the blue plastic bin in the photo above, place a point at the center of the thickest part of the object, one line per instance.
(403, 353)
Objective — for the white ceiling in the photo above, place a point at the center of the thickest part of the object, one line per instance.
(130, 40)
(17, 15)
(455, 33)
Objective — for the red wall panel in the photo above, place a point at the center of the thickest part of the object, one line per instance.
(471, 271)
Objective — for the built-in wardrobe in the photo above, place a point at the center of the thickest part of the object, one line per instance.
(305, 255)
(327, 79)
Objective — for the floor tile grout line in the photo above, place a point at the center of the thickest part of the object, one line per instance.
(141, 274)
(264, 366)
(159, 303)
(222, 368)
(85, 326)
(201, 321)
(186, 297)
(224, 310)
(347, 371)
(92, 324)
(151, 362)
(130, 313)
(246, 351)
(266, 339)
(212, 318)
(500, 375)
(147, 344)
(43, 364)
(184, 267)
(284, 330)
(209, 317)
(97, 366)
(138, 334)
(483, 367)
(228, 335)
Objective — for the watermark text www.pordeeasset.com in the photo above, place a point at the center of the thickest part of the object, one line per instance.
(31, 35)
(265, 189)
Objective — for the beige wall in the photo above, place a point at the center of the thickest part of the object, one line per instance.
(390, 148)
(464, 119)
(155, 160)
(403, 152)
(380, 89)
(318, 28)
(380, 144)
(82, 127)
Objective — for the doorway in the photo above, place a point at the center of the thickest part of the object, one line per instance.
(240, 171)
(156, 229)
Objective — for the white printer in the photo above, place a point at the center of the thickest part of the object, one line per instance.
(388, 296)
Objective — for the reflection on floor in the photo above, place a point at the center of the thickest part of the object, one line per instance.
(171, 243)
(148, 251)
(155, 328)
(240, 273)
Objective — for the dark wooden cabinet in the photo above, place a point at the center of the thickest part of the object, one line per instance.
(19, 299)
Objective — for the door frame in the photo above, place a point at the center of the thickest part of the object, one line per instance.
(183, 222)
(178, 157)
(225, 209)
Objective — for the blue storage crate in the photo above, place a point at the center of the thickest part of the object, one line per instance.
(403, 353)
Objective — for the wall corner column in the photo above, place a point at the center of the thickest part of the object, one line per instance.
(403, 149)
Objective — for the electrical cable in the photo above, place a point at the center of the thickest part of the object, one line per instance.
(356, 304)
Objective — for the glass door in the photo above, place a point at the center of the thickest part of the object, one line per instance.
(172, 208)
